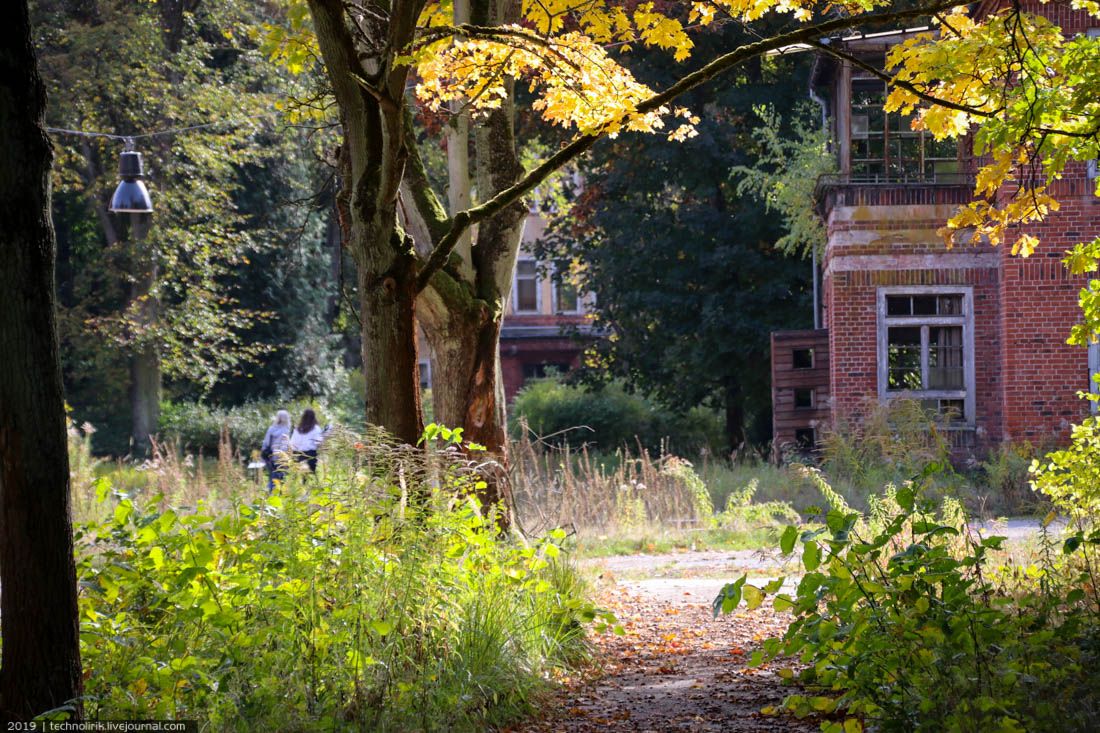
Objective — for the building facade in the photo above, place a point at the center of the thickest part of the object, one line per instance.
(976, 335)
(545, 323)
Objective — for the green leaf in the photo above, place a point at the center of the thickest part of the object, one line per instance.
(381, 627)
(905, 497)
(753, 597)
(786, 542)
(811, 556)
(729, 597)
(774, 585)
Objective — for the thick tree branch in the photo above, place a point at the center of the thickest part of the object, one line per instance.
(338, 51)
(579, 145)
(427, 203)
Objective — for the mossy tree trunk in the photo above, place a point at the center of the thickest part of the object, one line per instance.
(463, 306)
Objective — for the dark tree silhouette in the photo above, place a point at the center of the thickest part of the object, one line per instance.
(40, 668)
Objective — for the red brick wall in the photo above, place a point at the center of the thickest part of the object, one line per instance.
(1043, 373)
(516, 353)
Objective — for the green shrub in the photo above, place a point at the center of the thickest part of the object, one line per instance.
(728, 480)
(609, 417)
(742, 511)
(1003, 484)
(376, 595)
(905, 621)
(195, 427)
(890, 444)
(1071, 477)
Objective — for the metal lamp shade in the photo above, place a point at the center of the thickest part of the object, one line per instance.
(131, 197)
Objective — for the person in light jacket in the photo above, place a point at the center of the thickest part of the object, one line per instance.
(306, 438)
(275, 446)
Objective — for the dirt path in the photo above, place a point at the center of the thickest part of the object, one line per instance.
(677, 668)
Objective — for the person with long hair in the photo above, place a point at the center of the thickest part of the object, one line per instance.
(306, 439)
(275, 446)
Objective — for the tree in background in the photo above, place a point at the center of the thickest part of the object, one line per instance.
(40, 668)
(688, 280)
(238, 260)
(163, 299)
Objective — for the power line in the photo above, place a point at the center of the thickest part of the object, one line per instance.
(157, 133)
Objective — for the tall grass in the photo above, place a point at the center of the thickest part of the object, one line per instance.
(555, 486)
(376, 595)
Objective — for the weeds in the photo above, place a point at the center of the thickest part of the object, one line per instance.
(906, 619)
(375, 596)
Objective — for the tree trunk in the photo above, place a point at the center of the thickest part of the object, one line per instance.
(145, 378)
(463, 308)
(735, 415)
(40, 666)
(373, 157)
(390, 363)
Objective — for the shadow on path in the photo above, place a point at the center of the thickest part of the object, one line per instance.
(676, 669)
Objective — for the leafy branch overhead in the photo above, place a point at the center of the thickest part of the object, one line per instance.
(564, 52)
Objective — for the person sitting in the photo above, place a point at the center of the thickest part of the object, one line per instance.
(273, 450)
(306, 439)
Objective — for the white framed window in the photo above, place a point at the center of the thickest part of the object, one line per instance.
(566, 297)
(525, 290)
(926, 348)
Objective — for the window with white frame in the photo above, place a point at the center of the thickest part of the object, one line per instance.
(425, 374)
(566, 297)
(926, 349)
(526, 287)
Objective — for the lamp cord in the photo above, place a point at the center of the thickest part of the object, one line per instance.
(157, 133)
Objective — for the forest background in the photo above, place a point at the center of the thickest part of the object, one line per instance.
(257, 303)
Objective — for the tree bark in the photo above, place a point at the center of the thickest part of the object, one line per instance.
(371, 97)
(463, 308)
(40, 665)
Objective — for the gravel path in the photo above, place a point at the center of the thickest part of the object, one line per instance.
(677, 668)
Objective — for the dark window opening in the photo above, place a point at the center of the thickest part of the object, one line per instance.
(904, 358)
(803, 358)
(804, 397)
(951, 410)
(805, 439)
(568, 300)
(527, 286)
(923, 305)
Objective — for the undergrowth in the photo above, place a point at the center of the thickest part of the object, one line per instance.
(907, 619)
(377, 595)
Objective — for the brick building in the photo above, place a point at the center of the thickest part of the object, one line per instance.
(543, 319)
(975, 334)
